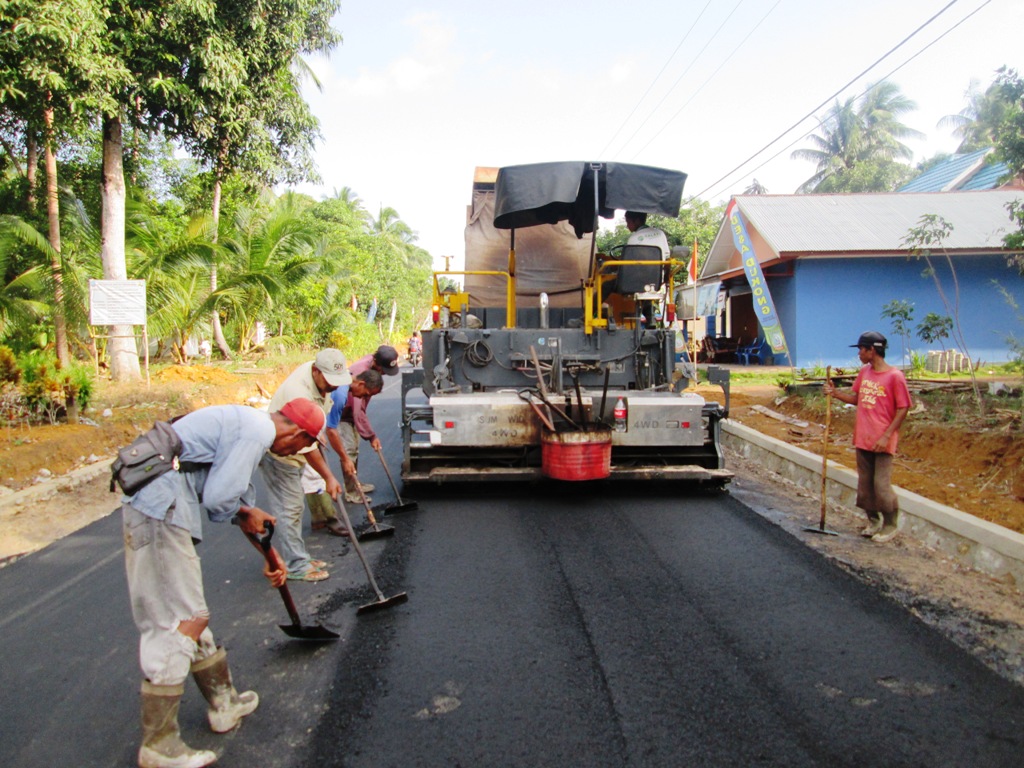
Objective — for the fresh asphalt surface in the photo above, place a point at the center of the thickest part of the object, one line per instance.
(640, 625)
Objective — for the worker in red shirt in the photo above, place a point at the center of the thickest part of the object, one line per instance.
(883, 400)
(355, 424)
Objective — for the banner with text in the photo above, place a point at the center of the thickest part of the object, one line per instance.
(764, 307)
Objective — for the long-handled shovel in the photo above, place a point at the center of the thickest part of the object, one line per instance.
(543, 392)
(401, 506)
(296, 629)
(526, 396)
(824, 459)
(381, 601)
(375, 530)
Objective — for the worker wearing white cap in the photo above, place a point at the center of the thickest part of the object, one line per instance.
(315, 381)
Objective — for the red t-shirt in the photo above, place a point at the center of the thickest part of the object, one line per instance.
(879, 396)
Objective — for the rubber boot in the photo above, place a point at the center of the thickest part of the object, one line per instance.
(162, 746)
(227, 706)
(875, 522)
(890, 527)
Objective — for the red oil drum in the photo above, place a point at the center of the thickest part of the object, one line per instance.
(583, 455)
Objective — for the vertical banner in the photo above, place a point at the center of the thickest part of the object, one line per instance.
(693, 262)
(764, 307)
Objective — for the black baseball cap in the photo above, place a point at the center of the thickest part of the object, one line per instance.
(387, 358)
(872, 339)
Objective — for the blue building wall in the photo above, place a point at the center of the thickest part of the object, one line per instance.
(829, 302)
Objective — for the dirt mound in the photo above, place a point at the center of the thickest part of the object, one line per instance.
(206, 374)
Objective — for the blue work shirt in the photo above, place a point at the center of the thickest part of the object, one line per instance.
(338, 399)
(231, 439)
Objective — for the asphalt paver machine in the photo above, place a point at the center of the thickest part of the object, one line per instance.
(547, 359)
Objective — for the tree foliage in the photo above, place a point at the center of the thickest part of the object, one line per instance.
(219, 79)
(900, 314)
(698, 220)
(859, 147)
(979, 124)
(927, 242)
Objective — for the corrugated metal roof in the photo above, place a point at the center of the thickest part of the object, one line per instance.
(949, 174)
(986, 177)
(859, 223)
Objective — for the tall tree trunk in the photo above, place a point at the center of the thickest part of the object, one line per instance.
(124, 355)
(218, 332)
(31, 166)
(60, 330)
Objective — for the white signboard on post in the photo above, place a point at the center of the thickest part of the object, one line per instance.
(117, 302)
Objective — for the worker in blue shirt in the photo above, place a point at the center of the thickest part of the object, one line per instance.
(222, 446)
(321, 509)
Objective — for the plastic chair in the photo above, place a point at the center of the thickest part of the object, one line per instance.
(759, 351)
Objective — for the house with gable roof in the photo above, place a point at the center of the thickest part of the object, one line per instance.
(962, 173)
(832, 263)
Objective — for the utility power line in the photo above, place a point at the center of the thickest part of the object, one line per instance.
(810, 114)
(649, 87)
(693, 61)
(708, 80)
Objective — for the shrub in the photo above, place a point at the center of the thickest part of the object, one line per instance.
(10, 373)
(48, 389)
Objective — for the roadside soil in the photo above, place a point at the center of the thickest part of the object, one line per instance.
(35, 454)
(973, 464)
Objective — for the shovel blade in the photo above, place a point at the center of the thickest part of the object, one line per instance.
(375, 532)
(397, 509)
(387, 602)
(315, 633)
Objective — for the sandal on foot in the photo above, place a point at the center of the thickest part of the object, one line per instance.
(317, 565)
(311, 575)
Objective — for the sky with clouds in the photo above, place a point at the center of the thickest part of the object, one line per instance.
(422, 91)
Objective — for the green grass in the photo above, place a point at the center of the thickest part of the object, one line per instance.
(770, 378)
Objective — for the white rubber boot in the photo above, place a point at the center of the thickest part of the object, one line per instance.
(227, 706)
(162, 746)
(875, 522)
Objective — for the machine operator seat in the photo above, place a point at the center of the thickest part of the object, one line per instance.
(639, 278)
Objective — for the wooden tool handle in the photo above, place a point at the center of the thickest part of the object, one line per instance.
(824, 446)
(262, 543)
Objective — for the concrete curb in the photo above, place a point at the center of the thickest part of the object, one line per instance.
(979, 544)
(54, 486)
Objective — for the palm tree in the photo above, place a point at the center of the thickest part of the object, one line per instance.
(176, 263)
(390, 225)
(853, 133)
(19, 302)
(268, 254)
(838, 145)
(71, 268)
(879, 111)
(977, 124)
(344, 207)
